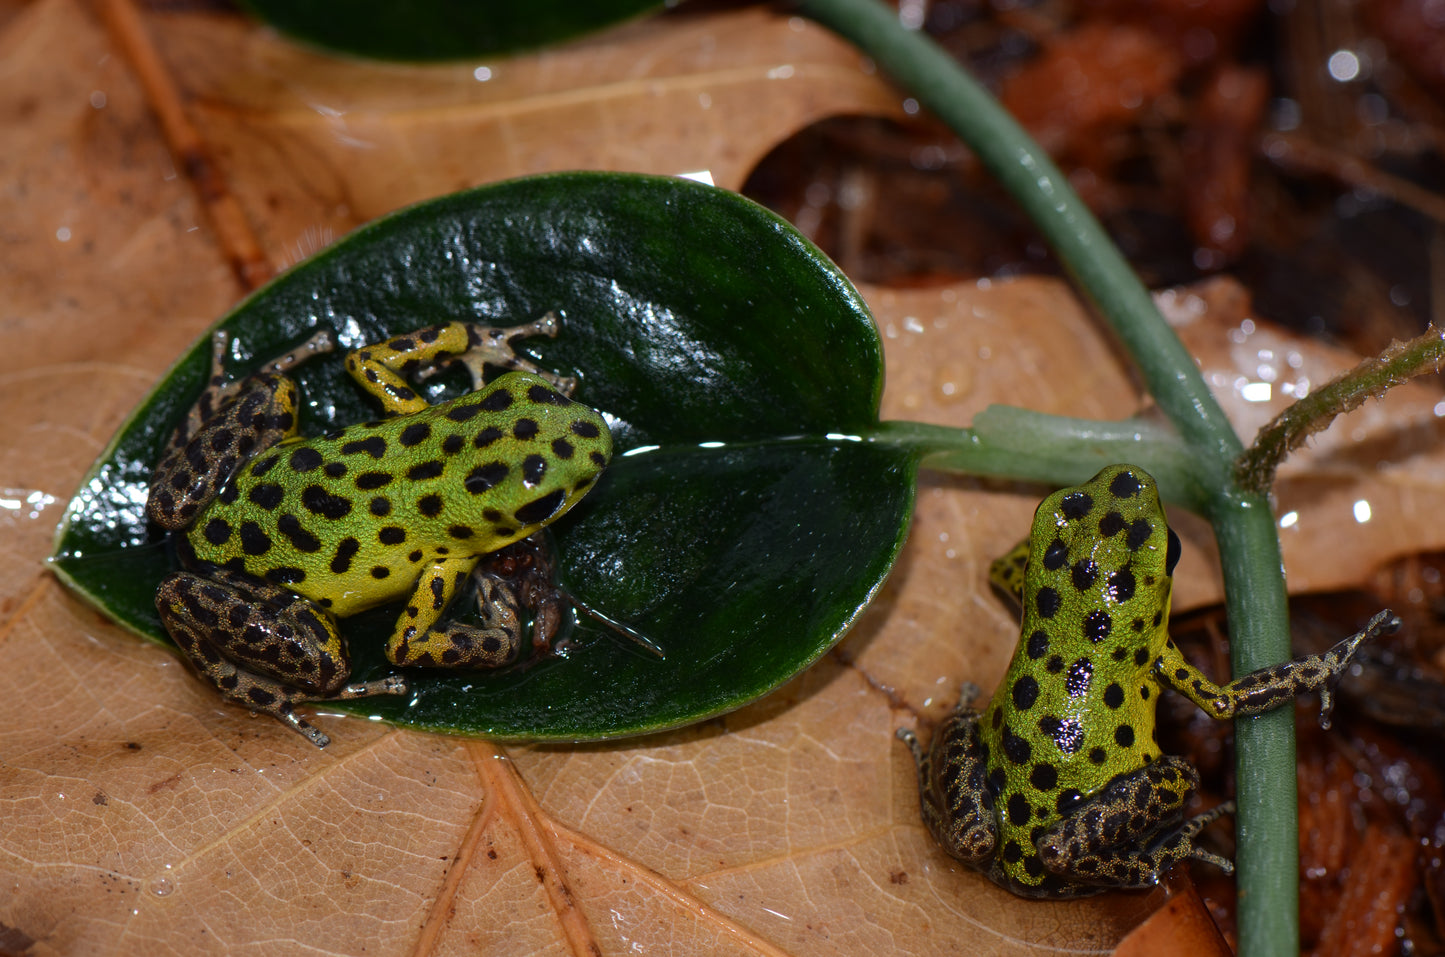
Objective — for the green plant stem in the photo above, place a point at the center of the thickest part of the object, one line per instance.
(1266, 828)
(1244, 527)
(1015, 443)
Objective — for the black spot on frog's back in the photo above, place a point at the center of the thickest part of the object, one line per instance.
(372, 445)
(318, 501)
(1138, 533)
(534, 468)
(540, 509)
(485, 477)
(1125, 485)
(414, 434)
(1075, 505)
(545, 396)
(497, 401)
(305, 458)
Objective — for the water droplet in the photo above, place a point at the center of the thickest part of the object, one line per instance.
(162, 887)
(952, 380)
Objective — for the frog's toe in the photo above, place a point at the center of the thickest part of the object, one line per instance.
(968, 693)
(391, 684)
(909, 738)
(299, 724)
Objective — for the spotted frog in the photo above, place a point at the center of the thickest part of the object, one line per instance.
(1058, 788)
(280, 535)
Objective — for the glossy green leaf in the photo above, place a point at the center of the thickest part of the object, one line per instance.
(441, 29)
(744, 522)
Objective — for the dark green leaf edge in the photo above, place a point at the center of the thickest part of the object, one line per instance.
(438, 30)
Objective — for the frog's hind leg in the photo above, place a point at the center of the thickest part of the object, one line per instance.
(230, 422)
(957, 804)
(422, 639)
(261, 646)
(1130, 832)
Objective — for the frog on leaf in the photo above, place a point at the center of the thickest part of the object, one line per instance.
(279, 535)
(1058, 789)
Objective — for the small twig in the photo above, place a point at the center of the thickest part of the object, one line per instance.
(233, 231)
(1255, 467)
(1299, 154)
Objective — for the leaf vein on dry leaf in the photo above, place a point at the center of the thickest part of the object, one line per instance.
(461, 863)
(594, 97)
(1031, 945)
(279, 799)
(499, 774)
(667, 888)
(794, 854)
(32, 597)
(77, 372)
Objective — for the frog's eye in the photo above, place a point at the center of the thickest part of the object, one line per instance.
(1171, 557)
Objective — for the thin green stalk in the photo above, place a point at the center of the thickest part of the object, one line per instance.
(1266, 829)
(1055, 450)
(1244, 527)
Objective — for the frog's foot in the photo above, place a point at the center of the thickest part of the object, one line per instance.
(1338, 658)
(522, 575)
(1198, 823)
(1179, 843)
(498, 347)
(1272, 687)
(392, 684)
(1123, 836)
(219, 388)
(422, 640)
(320, 343)
(383, 367)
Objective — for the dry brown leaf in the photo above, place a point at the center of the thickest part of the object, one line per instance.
(1181, 928)
(142, 816)
(316, 146)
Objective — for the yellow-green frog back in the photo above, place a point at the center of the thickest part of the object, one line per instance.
(348, 519)
(1077, 705)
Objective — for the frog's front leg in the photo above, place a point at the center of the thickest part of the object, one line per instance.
(1269, 688)
(953, 787)
(422, 639)
(1131, 831)
(261, 645)
(382, 368)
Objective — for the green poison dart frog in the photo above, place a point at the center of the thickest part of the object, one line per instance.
(280, 534)
(1058, 789)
